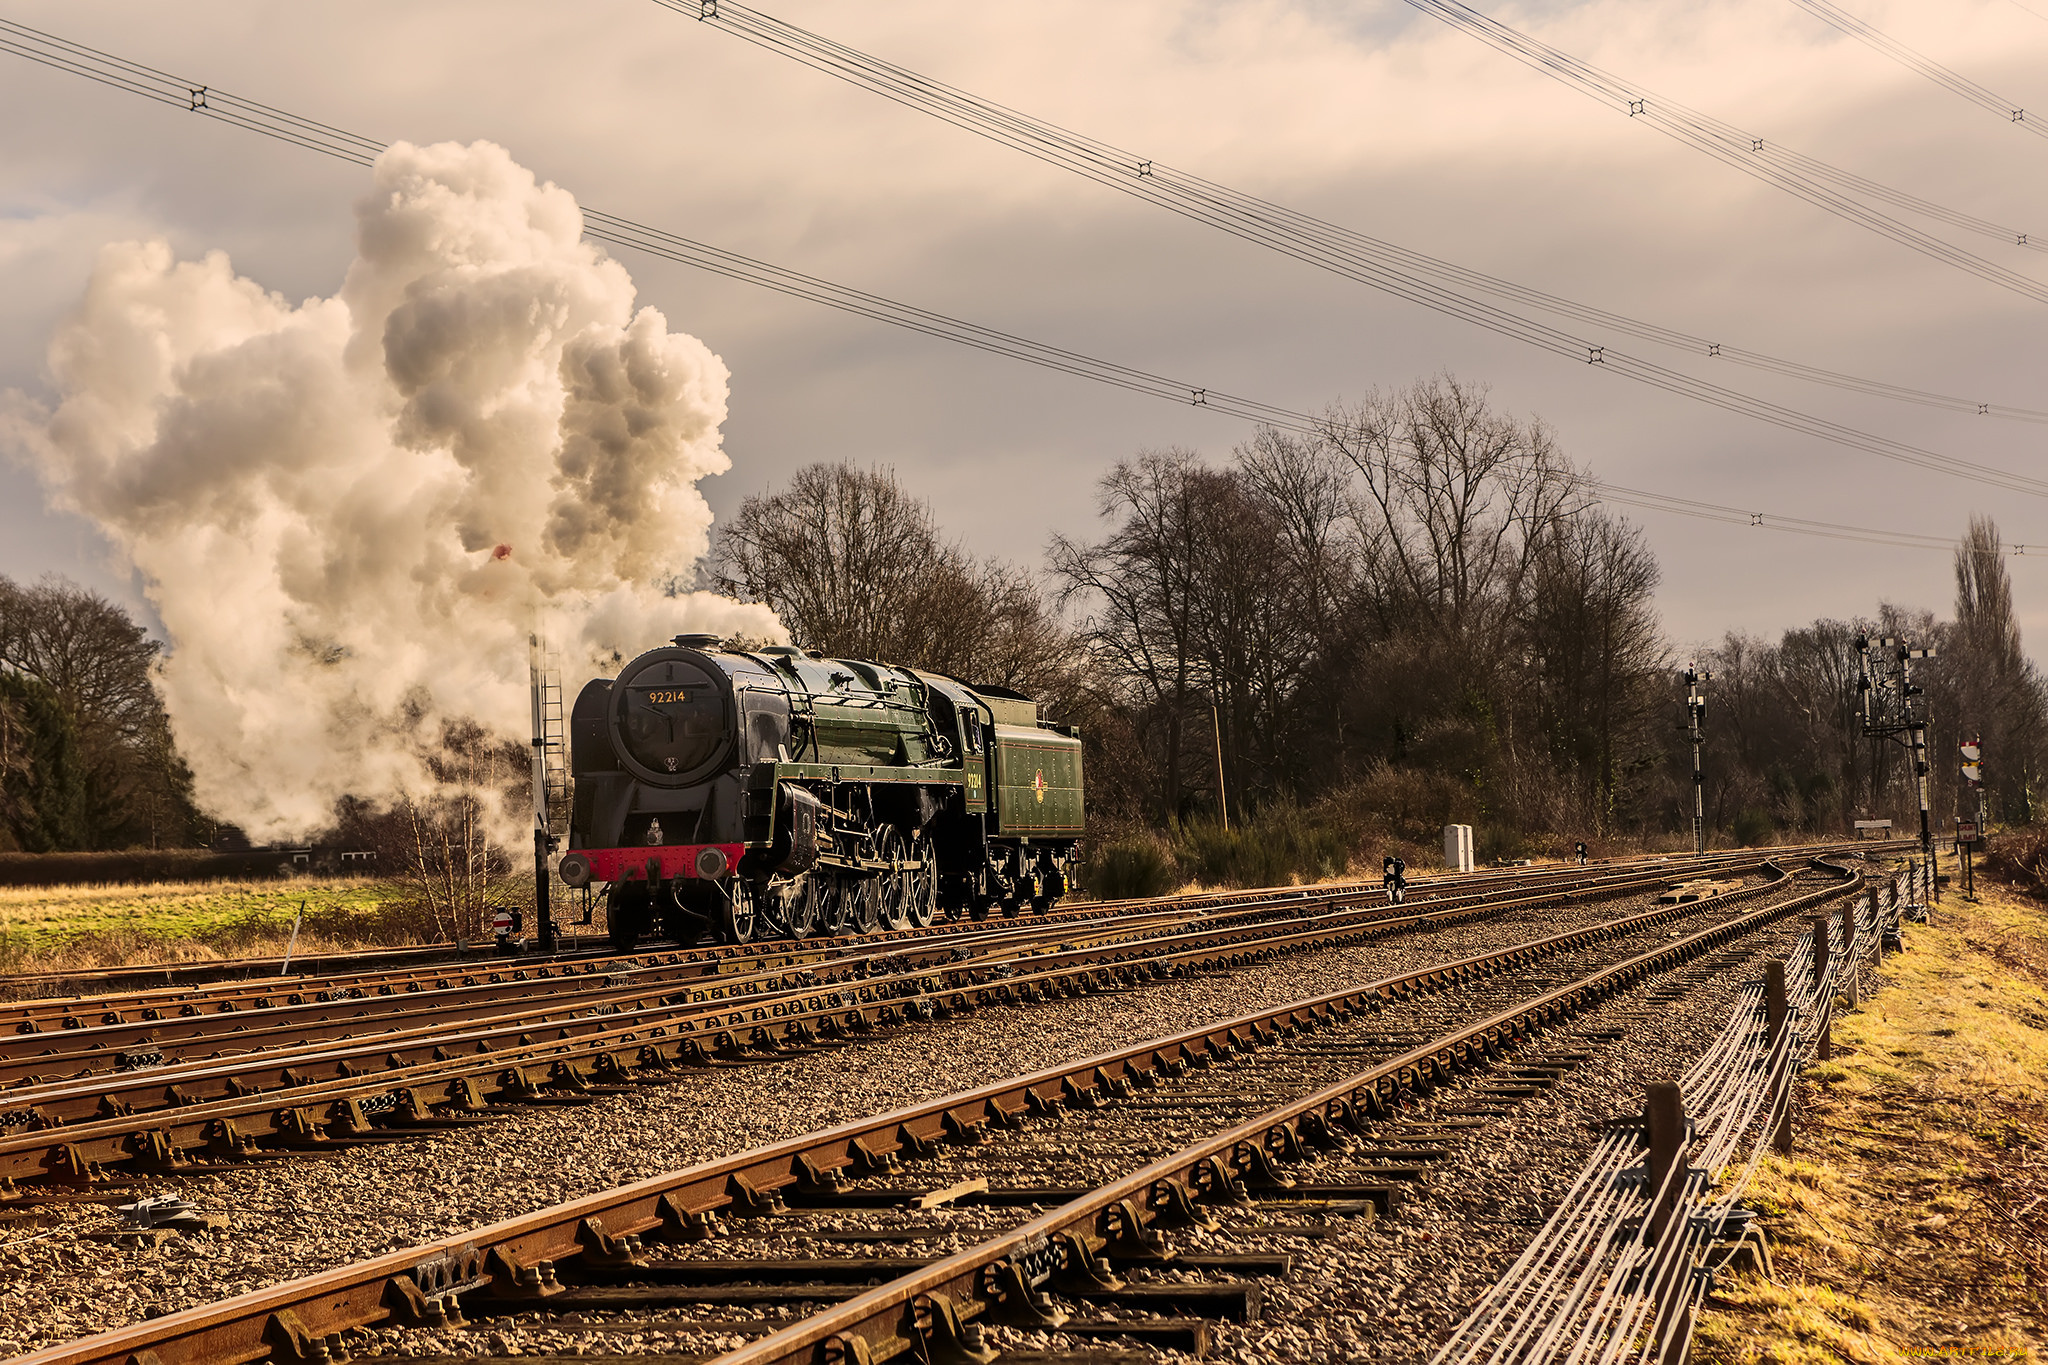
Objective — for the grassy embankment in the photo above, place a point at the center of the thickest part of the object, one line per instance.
(60, 928)
(1910, 1221)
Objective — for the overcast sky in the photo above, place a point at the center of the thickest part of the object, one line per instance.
(1367, 112)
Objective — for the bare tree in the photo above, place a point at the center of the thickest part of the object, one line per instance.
(1305, 487)
(1816, 671)
(1456, 499)
(448, 859)
(1384, 590)
(844, 555)
(1599, 659)
(1998, 695)
(19, 741)
(14, 739)
(1141, 636)
(857, 567)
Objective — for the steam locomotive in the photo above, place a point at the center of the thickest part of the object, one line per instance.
(776, 792)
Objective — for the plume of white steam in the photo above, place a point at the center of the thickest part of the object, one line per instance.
(351, 513)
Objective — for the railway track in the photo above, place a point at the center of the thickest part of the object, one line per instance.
(1266, 1091)
(237, 1021)
(203, 1091)
(500, 978)
(52, 1001)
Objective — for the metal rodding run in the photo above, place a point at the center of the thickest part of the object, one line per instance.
(1619, 1270)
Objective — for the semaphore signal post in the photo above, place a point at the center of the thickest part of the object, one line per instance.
(1895, 709)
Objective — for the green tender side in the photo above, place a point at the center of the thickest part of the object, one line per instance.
(1038, 783)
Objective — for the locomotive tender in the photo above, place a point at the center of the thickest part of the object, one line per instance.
(777, 792)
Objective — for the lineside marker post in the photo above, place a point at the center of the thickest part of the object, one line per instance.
(1664, 1126)
(1775, 1026)
(1823, 992)
(1666, 1177)
(293, 945)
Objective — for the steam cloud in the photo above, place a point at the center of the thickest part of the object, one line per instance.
(351, 514)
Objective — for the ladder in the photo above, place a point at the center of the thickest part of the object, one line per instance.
(552, 790)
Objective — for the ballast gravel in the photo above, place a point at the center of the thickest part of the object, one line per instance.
(62, 1278)
(1392, 1291)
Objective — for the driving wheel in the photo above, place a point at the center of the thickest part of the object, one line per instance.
(796, 903)
(835, 905)
(892, 888)
(923, 897)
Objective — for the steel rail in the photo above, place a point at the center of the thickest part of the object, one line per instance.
(311, 1113)
(254, 1066)
(76, 1007)
(372, 1066)
(75, 1011)
(71, 1029)
(886, 1322)
(485, 960)
(264, 1021)
(517, 1257)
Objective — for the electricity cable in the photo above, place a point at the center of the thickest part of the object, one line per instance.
(1952, 81)
(1809, 179)
(1794, 172)
(1773, 521)
(253, 116)
(1329, 247)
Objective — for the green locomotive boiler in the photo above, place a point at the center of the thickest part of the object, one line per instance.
(777, 792)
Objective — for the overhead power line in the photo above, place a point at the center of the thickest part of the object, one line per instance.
(1953, 82)
(1815, 181)
(1775, 521)
(177, 92)
(1039, 139)
(1205, 199)
(1766, 159)
(1324, 245)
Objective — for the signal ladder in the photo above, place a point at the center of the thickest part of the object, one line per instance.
(553, 790)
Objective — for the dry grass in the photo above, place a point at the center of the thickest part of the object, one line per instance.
(1911, 1221)
(71, 928)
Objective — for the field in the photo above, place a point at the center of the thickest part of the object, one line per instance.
(1911, 1219)
(45, 928)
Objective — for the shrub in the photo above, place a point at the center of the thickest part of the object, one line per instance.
(2021, 857)
(1752, 827)
(1281, 844)
(1493, 842)
(139, 866)
(1215, 856)
(1129, 867)
(1406, 803)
